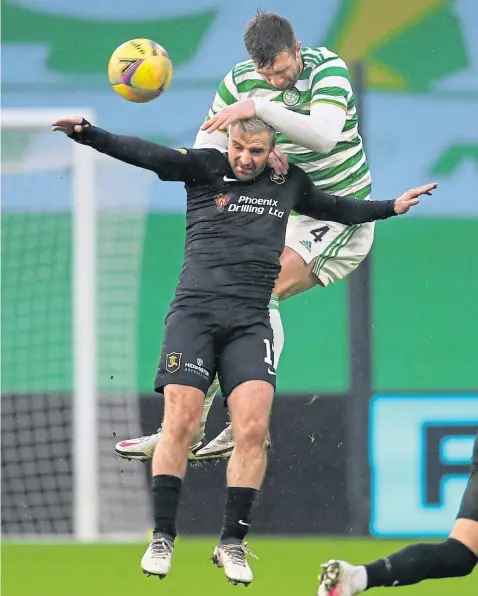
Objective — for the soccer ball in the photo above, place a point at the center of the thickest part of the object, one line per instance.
(140, 70)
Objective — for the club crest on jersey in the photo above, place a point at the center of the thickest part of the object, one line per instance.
(291, 97)
(277, 178)
(173, 361)
(221, 201)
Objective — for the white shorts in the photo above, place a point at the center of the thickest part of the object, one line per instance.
(338, 249)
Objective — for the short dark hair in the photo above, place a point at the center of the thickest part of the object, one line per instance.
(266, 36)
(256, 125)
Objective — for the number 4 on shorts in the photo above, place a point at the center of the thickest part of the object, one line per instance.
(319, 233)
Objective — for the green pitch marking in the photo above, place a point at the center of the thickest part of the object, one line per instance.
(286, 567)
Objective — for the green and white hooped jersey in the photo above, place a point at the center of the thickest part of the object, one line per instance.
(324, 79)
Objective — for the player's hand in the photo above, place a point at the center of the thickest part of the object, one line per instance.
(69, 125)
(279, 162)
(241, 110)
(410, 198)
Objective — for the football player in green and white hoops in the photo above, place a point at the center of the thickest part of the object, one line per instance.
(306, 95)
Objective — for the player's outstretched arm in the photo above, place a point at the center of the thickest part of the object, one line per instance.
(320, 205)
(168, 164)
(319, 131)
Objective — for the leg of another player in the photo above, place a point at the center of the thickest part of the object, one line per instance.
(466, 531)
(182, 411)
(208, 401)
(249, 405)
(455, 557)
(296, 275)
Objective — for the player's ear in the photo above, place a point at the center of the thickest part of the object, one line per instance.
(273, 143)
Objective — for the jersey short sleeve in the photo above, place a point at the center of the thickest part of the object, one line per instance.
(330, 83)
(226, 95)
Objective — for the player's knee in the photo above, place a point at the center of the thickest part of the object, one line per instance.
(474, 464)
(182, 412)
(182, 427)
(250, 434)
(250, 405)
(459, 559)
(295, 276)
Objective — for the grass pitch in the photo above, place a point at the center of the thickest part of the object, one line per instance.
(286, 566)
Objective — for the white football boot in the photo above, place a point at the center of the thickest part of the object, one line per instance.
(142, 448)
(232, 558)
(158, 557)
(337, 579)
(222, 446)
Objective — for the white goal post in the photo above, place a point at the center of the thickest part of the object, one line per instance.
(74, 227)
(85, 415)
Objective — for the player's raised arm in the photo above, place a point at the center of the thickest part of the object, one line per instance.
(320, 205)
(320, 130)
(226, 95)
(168, 164)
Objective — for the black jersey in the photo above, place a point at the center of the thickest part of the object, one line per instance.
(235, 230)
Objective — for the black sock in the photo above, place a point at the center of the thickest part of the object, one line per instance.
(166, 490)
(415, 563)
(237, 517)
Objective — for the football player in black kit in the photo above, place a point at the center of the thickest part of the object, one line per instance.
(237, 210)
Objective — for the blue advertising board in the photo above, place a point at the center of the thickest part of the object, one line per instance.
(420, 455)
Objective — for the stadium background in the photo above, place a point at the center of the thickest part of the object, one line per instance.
(420, 120)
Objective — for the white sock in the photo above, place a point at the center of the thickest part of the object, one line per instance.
(358, 579)
(210, 395)
(277, 329)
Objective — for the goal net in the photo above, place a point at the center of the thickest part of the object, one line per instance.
(73, 226)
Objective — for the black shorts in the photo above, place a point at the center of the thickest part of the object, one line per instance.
(235, 343)
(469, 503)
